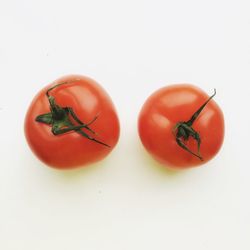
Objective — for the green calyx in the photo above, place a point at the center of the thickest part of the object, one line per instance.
(61, 119)
(184, 130)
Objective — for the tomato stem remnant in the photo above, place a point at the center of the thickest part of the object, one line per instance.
(183, 130)
(59, 119)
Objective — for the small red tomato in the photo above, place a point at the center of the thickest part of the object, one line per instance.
(181, 126)
(71, 122)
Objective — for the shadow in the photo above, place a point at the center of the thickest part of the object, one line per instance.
(72, 173)
(80, 172)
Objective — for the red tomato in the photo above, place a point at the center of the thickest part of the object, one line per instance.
(71, 122)
(175, 120)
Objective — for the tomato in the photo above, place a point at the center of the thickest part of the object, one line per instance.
(180, 126)
(71, 122)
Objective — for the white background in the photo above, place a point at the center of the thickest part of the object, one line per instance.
(127, 201)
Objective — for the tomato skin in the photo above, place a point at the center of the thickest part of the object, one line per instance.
(177, 103)
(71, 150)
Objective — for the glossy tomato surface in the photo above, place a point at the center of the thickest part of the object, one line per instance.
(69, 150)
(171, 105)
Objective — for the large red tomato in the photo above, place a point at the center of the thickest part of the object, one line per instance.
(181, 126)
(71, 122)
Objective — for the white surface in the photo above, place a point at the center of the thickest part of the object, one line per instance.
(126, 202)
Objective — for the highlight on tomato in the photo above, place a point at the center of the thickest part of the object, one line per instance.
(181, 126)
(71, 123)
